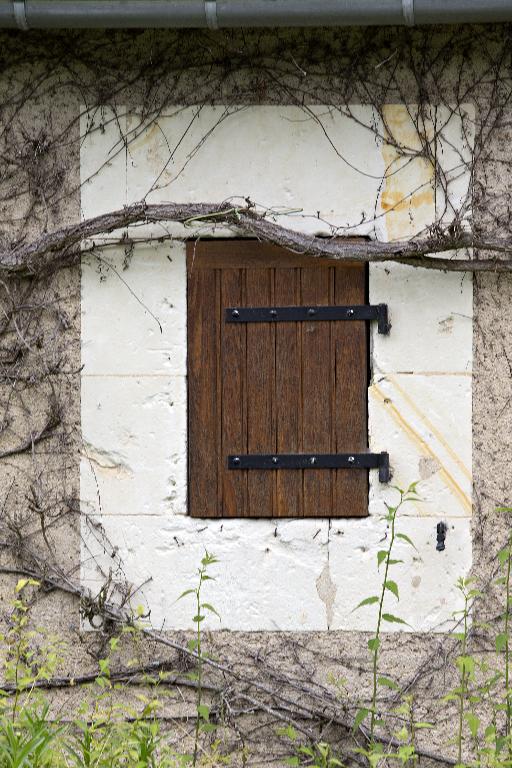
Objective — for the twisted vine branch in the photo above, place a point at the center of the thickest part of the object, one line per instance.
(59, 249)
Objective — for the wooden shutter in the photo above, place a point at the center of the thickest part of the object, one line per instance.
(287, 387)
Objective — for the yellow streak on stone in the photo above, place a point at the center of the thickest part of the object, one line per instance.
(465, 471)
(450, 481)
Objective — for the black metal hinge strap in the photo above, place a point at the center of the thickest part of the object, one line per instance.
(378, 461)
(378, 312)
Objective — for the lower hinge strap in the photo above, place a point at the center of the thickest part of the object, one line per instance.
(378, 461)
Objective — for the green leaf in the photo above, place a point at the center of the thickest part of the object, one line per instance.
(360, 717)
(406, 538)
(208, 559)
(473, 723)
(405, 752)
(394, 562)
(203, 711)
(207, 727)
(393, 587)
(451, 697)
(393, 619)
(381, 556)
(210, 608)
(198, 618)
(187, 592)
(387, 683)
(373, 644)
(501, 642)
(367, 601)
(466, 664)
(294, 761)
(503, 555)
(289, 732)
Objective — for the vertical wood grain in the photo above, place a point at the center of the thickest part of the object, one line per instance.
(288, 395)
(350, 498)
(203, 400)
(233, 393)
(261, 432)
(316, 393)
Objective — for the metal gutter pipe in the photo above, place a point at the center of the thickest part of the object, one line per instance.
(90, 14)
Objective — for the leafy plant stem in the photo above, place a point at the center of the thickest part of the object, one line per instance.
(376, 645)
(203, 711)
(463, 679)
(199, 668)
(508, 717)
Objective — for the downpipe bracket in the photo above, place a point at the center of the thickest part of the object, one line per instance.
(408, 12)
(210, 11)
(20, 14)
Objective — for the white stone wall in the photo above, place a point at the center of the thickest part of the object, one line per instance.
(283, 574)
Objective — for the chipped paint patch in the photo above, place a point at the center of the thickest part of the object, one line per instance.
(326, 589)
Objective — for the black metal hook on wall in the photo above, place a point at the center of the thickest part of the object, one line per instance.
(441, 536)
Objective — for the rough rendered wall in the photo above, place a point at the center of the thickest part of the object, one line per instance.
(441, 384)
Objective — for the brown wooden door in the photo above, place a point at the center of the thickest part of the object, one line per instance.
(273, 387)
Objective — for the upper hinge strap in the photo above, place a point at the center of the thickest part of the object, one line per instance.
(378, 312)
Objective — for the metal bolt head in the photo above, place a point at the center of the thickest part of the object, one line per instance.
(311, 311)
(236, 460)
(273, 312)
(351, 459)
(312, 460)
(274, 459)
(235, 313)
(350, 312)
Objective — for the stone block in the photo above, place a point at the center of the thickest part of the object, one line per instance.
(265, 153)
(267, 577)
(424, 422)
(134, 307)
(134, 445)
(102, 161)
(426, 579)
(431, 314)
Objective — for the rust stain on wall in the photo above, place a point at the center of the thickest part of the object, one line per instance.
(408, 194)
